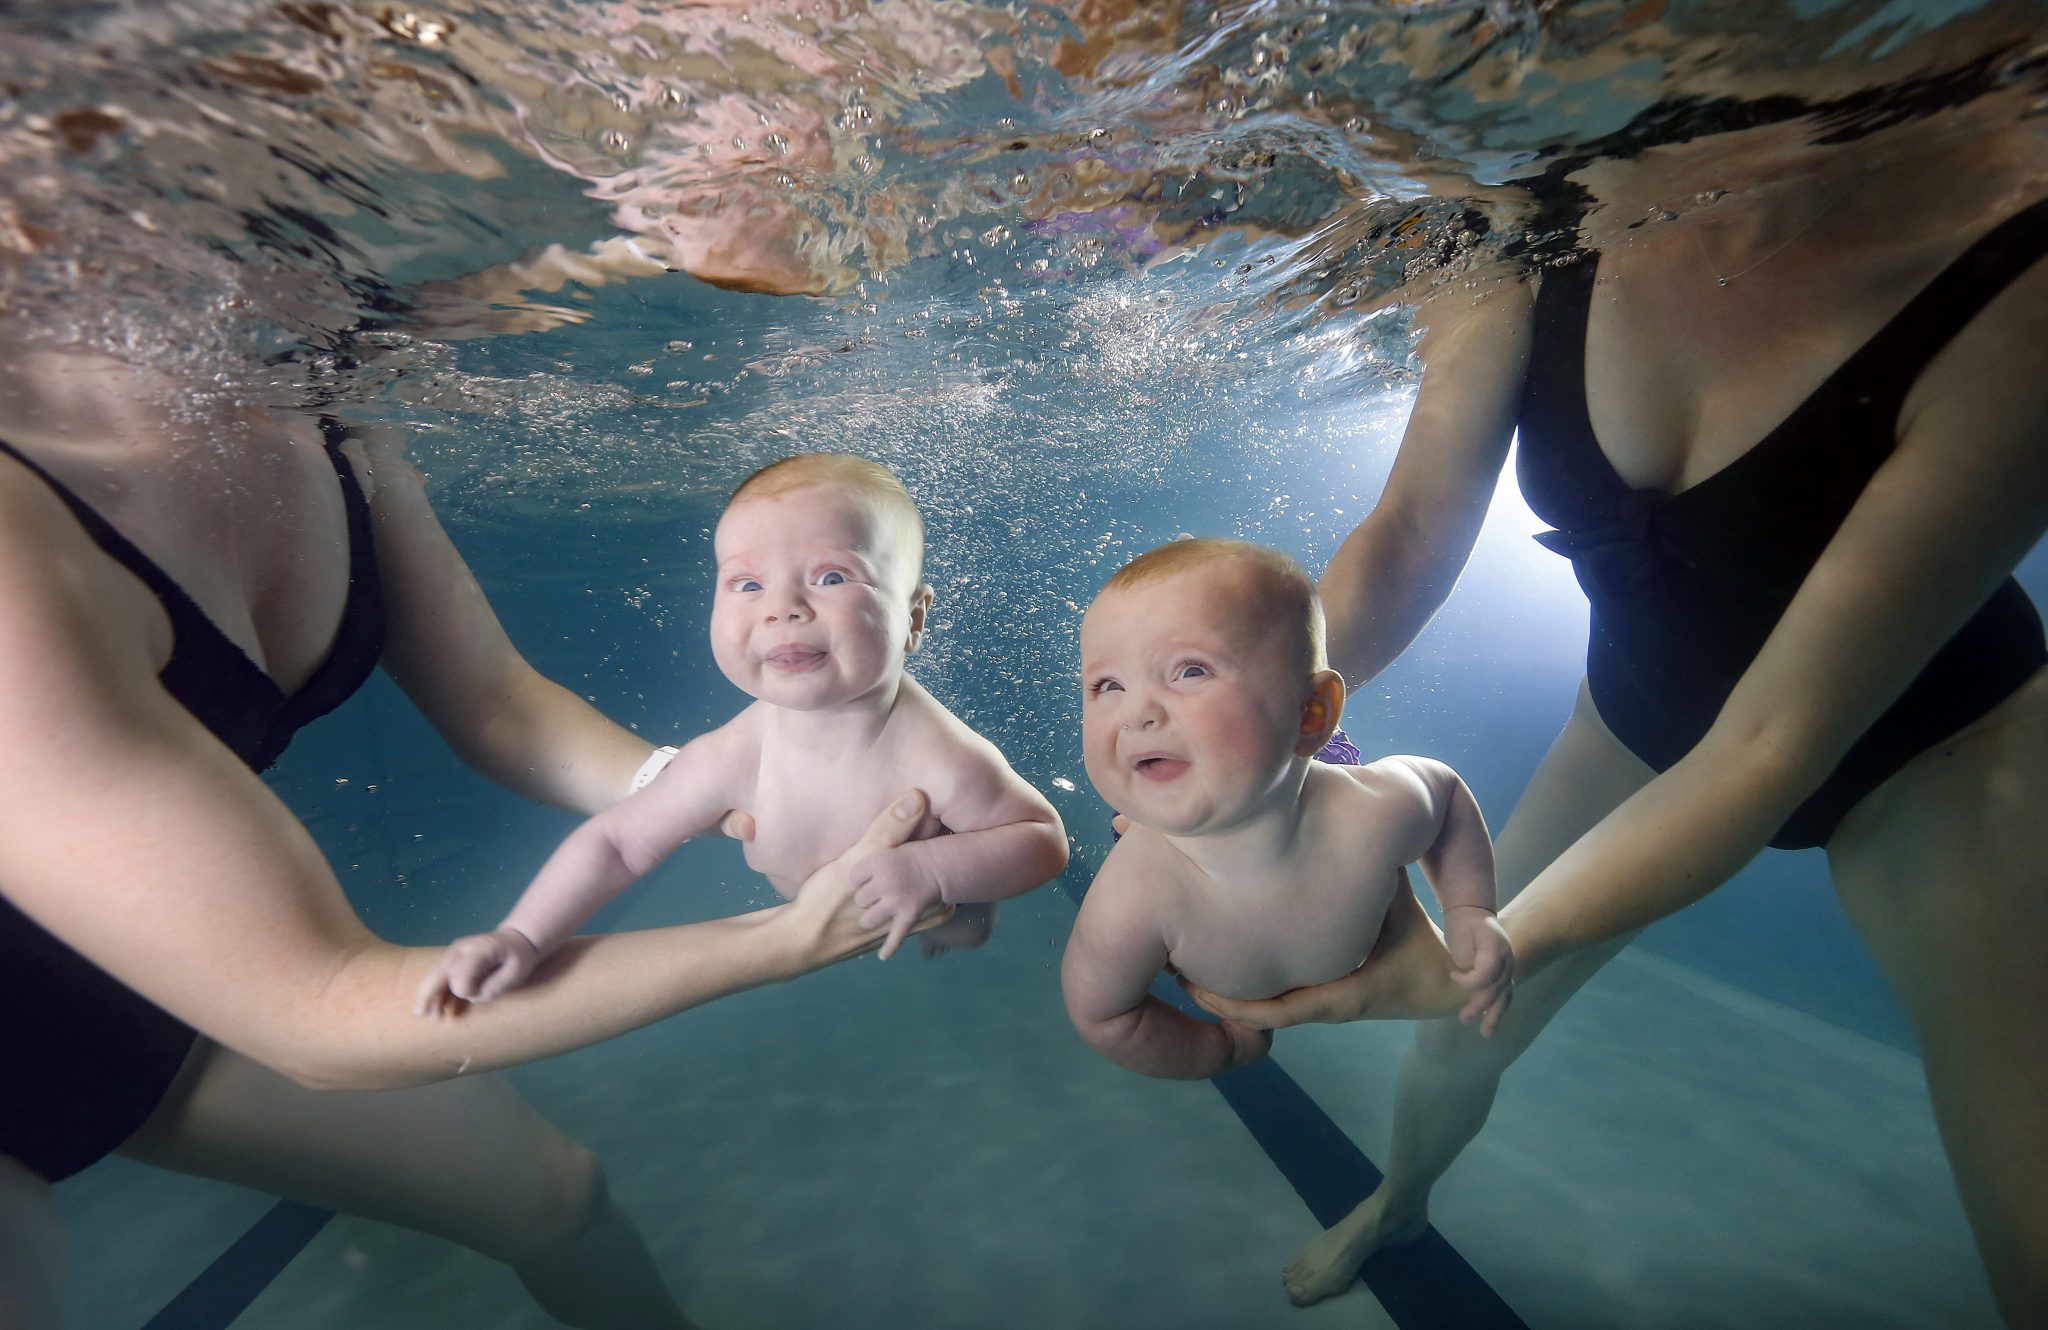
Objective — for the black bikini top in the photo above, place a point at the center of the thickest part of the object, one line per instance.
(214, 678)
(1763, 519)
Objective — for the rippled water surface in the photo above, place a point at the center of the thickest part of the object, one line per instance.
(1086, 275)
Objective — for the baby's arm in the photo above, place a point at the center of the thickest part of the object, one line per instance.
(597, 861)
(1112, 955)
(1456, 856)
(1006, 840)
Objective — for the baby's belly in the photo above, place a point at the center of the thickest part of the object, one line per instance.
(785, 868)
(788, 847)
(1260, 960)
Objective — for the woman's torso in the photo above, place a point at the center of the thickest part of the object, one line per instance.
(237, 552)
(1697, 433)
(240, 509)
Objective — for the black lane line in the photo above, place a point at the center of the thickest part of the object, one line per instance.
(1424, 1285)
(225, 1289)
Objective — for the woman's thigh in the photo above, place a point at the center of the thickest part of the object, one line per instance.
(1944, 869)
(468, 1160)
(1585, 775)
(31, 1251)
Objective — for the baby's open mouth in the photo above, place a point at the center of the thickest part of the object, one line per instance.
(795, 660)
(1160, 767)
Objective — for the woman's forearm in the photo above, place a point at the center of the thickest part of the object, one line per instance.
(360, 1033)
(551, 746)
(1669, 844)
(1380, 590)
(355, 1028)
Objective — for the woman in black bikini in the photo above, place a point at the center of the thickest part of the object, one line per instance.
(161, 637)
(1794, 446)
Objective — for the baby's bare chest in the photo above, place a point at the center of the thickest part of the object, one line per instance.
(807, 813)
(1258, 938)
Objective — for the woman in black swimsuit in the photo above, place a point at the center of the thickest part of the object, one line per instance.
(1794, 444)
(177, 963)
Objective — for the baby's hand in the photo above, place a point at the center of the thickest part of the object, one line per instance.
(1482, 962)
(894, 886)
(476, 969)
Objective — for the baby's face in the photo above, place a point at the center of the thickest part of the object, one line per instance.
(816, 603)
(1191, 709)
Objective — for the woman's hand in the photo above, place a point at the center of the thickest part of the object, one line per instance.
(1407, 977)
(824, 920)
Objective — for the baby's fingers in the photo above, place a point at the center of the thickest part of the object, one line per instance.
(432, 995)
(1480, 978)
(899, 929)
(1487, 1008)
(495, 982)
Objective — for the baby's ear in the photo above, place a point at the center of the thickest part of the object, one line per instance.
(1319, 712)
(920, 608)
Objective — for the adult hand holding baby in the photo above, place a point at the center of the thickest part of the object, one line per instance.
(1406, 977)
(824, 924)
(826, 916)
(894, 890)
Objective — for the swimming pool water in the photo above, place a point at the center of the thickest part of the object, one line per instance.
(1726, 1129)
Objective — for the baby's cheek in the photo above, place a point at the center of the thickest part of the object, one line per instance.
(1244, 739)
(1094, 760)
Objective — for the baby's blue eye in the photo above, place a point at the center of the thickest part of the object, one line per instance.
(1192, 672)
(833, 578)
(746, 584)
(1105, 686)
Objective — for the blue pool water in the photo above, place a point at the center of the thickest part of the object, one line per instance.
(1726, 1130)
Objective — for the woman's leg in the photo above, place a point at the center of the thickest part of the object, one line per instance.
(465, 1160)
(1942, 869)
(31, 1252)
(1450, 1073)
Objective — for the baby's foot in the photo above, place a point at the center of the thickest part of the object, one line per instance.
(1328, 1265)
(967, 929)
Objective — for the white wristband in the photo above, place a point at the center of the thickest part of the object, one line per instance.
(656, 763)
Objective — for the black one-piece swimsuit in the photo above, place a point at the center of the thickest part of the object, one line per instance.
(83, 1058)
(1686, 587)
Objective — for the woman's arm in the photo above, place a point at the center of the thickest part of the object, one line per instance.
(449, 653)
(1961, 500)
(134, 835)
(1394, 571)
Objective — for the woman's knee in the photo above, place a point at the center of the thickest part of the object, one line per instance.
(1452, 1046)
(1457, 1047)
(571, 1199)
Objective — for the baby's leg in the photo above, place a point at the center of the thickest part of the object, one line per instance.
(967, 929)
(465, 1160)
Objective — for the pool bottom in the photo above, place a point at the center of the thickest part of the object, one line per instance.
(927, 1144)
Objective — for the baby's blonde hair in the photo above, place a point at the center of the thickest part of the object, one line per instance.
(1278, 590)
(870, 479)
